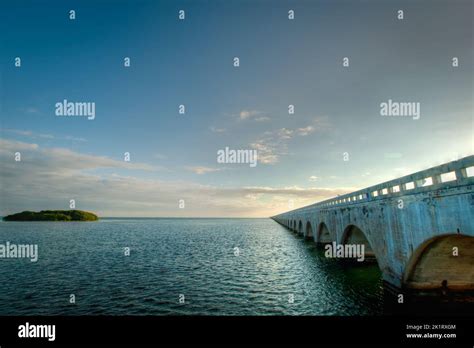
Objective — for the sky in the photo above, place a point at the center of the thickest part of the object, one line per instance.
(335, 142)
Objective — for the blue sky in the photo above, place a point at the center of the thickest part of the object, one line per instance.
(190, 62)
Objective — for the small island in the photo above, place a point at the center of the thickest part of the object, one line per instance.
(52, 215)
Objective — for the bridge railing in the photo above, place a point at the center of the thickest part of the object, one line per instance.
(456, 173)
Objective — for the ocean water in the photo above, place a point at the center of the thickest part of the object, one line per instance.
(273, 272)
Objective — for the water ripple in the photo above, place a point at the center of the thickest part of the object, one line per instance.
(173, 257)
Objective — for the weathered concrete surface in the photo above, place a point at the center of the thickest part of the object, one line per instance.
(433, 267)
(410, 230)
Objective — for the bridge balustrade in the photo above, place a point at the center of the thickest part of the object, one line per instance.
(456, 173)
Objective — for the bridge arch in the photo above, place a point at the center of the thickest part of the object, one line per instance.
(323, 235)
(434, 264)
(354, 235)
(300, 227)
(309, 231)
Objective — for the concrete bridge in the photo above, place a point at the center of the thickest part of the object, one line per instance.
(420, 227)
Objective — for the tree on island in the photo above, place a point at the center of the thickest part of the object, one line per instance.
(52, 215)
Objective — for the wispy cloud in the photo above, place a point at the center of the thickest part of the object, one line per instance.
(202, 170)
(271, 145)
(246, 114)
(305, 131)
(282, 133)
(160, 156)
(30, 110)
(62, 158)
(217, 130)
(253, 114)
(33, 135)
(20, 132)
(29, 134)
(268, 151)
(11, 146)
(49, 136)
(69, 137)
(314, 193)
